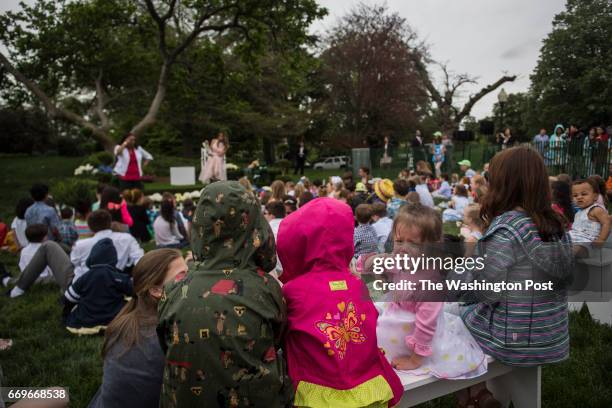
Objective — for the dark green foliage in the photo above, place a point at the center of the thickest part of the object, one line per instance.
(573, 78)
(100, 158)
(73, 191)
(24, 131)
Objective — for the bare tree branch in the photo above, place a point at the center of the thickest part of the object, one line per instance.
(422, 70)
(467, 108)
(170, 57)
(51, 107)
(161, 24)
(160, 94)
(101, 103)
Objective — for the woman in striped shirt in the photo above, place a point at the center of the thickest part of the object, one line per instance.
(524, 241)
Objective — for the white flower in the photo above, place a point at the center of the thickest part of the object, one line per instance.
(186, 196)
(88, 167)
(195, 194)
(231, 166)
(78, 171)
(178, 197)
(94, 171)
(156, 198)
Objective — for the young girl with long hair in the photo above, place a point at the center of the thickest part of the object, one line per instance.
(111, 201)
(278, 191)
(524, 239)
(133, 359)
(167, 234)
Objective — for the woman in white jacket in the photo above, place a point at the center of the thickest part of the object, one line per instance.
(130, 160)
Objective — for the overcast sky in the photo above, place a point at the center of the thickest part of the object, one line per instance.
(485, 38)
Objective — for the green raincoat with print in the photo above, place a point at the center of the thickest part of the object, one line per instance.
(221, 325)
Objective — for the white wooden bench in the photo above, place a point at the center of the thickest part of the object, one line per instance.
(594, 276)
(517, 384)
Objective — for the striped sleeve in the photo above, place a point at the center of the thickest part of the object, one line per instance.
(500, 258)
(72, 294)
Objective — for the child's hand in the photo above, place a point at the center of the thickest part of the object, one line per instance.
(407, 363)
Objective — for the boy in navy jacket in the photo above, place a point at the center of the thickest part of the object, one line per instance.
(96, 297)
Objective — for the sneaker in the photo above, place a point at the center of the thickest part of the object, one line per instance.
(16, 292)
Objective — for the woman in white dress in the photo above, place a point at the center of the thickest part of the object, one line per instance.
(213, 159)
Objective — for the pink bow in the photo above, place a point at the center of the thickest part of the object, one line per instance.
(113, 206)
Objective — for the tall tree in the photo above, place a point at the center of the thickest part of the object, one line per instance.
(572, 81)
(107, 48)
(370, 83)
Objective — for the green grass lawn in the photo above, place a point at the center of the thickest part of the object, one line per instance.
(45, 354)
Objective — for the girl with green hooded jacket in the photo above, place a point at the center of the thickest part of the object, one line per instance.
(221, 324)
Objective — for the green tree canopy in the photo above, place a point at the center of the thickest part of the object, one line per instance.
(572, 80)
(101, 63)
(369, 86)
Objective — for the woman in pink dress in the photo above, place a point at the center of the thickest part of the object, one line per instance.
(214, 167)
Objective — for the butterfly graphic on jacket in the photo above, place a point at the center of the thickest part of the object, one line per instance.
(344, 329)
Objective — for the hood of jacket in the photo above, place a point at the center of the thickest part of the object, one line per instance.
(102, 253)
(318, 237)
(559, 126)
(230, 231)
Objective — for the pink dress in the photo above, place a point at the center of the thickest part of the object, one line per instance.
(332, 353)
(215, 164)
(409, 323)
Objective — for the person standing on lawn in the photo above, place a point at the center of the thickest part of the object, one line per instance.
(213, 169)
(130, 162)
(300, 158)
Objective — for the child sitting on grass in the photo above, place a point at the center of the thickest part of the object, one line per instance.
(94, 300)
(457, 204)
(400, 188)
(19, 224)
(591, 224)
(444, 191)
(67, 229)
(36, 234)
(83, 209)
(364, 237)
(332, 353)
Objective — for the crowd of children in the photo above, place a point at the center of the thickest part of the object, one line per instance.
(215, 325)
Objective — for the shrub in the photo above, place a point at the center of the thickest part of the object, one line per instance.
(234, 174)
(160, 165)
(73, 191)
(100, 158)
(284, 165)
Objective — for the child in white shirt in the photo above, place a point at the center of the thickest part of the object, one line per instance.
(456, 205)
(36, 234)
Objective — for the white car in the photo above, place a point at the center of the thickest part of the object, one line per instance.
(332, 163)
